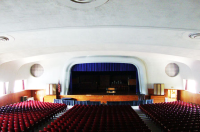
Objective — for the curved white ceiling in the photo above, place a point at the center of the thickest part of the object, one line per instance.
(42, 27)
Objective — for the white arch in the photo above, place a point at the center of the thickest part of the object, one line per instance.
(105, 59)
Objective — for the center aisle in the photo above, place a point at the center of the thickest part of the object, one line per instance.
(54, 118)
(152, 126)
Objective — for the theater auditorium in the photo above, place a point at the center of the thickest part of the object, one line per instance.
(99, 66)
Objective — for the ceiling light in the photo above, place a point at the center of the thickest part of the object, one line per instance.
(82, 1)
(3, 38)
(194, 35)
(81, 4)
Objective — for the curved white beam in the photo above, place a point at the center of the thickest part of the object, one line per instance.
(105, 59)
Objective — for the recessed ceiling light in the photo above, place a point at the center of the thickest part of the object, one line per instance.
(194, 35)
(81, 4)
(82, 1)
(6, 38)
(3, 38)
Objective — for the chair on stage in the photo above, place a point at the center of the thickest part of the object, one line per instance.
(81, 102)
(149, 101)
(113, 102)
(126, 103)
(84, 102)
(58, 101)
(139, 102)
(134, 103)
(68, 101)
(94, 103)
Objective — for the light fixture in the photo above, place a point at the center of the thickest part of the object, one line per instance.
(172, 69)
(36, 70)
(81, 4)
(194, 35)
(3, 38)
(82, 1)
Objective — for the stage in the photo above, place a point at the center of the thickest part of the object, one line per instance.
(103, 98)
(103, 92)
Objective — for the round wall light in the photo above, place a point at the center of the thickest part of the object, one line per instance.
(172, 69)
(36, 70)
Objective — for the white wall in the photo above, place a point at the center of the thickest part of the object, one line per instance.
(195, 66)
(54, 66)
(156, 73)
(8, 73)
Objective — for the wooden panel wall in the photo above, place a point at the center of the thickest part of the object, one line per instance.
(158, 98)
(151, 92)
(38, 94)
(189, 97)
(49, 98)
(13, 97)
(102, 98)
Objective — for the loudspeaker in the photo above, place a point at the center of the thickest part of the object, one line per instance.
(159, 89)
(51, 90)
(23, 98)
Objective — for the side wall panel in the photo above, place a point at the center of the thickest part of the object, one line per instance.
(13, 97)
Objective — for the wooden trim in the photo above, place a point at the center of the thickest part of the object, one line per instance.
(102, 98)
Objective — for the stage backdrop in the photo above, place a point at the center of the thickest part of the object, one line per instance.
(103, 67)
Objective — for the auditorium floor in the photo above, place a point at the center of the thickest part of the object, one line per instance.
(49, 122)
(152, 126)
(148, 122)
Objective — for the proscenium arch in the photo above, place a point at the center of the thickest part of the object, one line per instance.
(105, 59)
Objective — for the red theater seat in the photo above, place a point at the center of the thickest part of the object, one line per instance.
(87, 118)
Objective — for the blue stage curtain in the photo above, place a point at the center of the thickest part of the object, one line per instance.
(70, 84)
(103, 67)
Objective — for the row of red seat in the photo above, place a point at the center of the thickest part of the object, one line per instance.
(26, 106)
(91, 118)
(174, 116)
(24, 116)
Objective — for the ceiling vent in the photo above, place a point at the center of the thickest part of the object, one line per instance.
(194, 35)
(3, 38)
